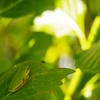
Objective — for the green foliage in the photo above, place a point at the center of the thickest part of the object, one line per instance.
(40, 81)
(63, 33)
(17, 8)
(88, 61)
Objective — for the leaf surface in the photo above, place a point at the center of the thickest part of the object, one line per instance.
(89, 60)
(40, 81)
(17, 8)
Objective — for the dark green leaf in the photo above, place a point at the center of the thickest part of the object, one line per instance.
(89, 60)
(40, 81)
(17, 8)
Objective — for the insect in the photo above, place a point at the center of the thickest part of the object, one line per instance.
(19, 79)
(43, 61)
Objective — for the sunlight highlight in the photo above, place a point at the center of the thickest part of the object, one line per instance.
(88, 92)
(51, 54)
(31, 43)
(80, 6)
(67, 97)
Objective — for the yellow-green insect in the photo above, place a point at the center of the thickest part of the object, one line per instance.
(19, 79)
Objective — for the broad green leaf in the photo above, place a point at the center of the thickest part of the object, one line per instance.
(17, 8)
(40, 81)
(89, 60)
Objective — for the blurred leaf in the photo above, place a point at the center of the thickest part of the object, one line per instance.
(95, 94)
(38, 50)
(89, 60)
(95, 7)
(40, 81)
(17, 8)
(43, 41)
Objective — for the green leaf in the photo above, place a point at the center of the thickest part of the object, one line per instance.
(89, 60)
(42, 42)
(17, 8)
(40, 81)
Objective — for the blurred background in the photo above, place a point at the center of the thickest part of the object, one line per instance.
(54, 31)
